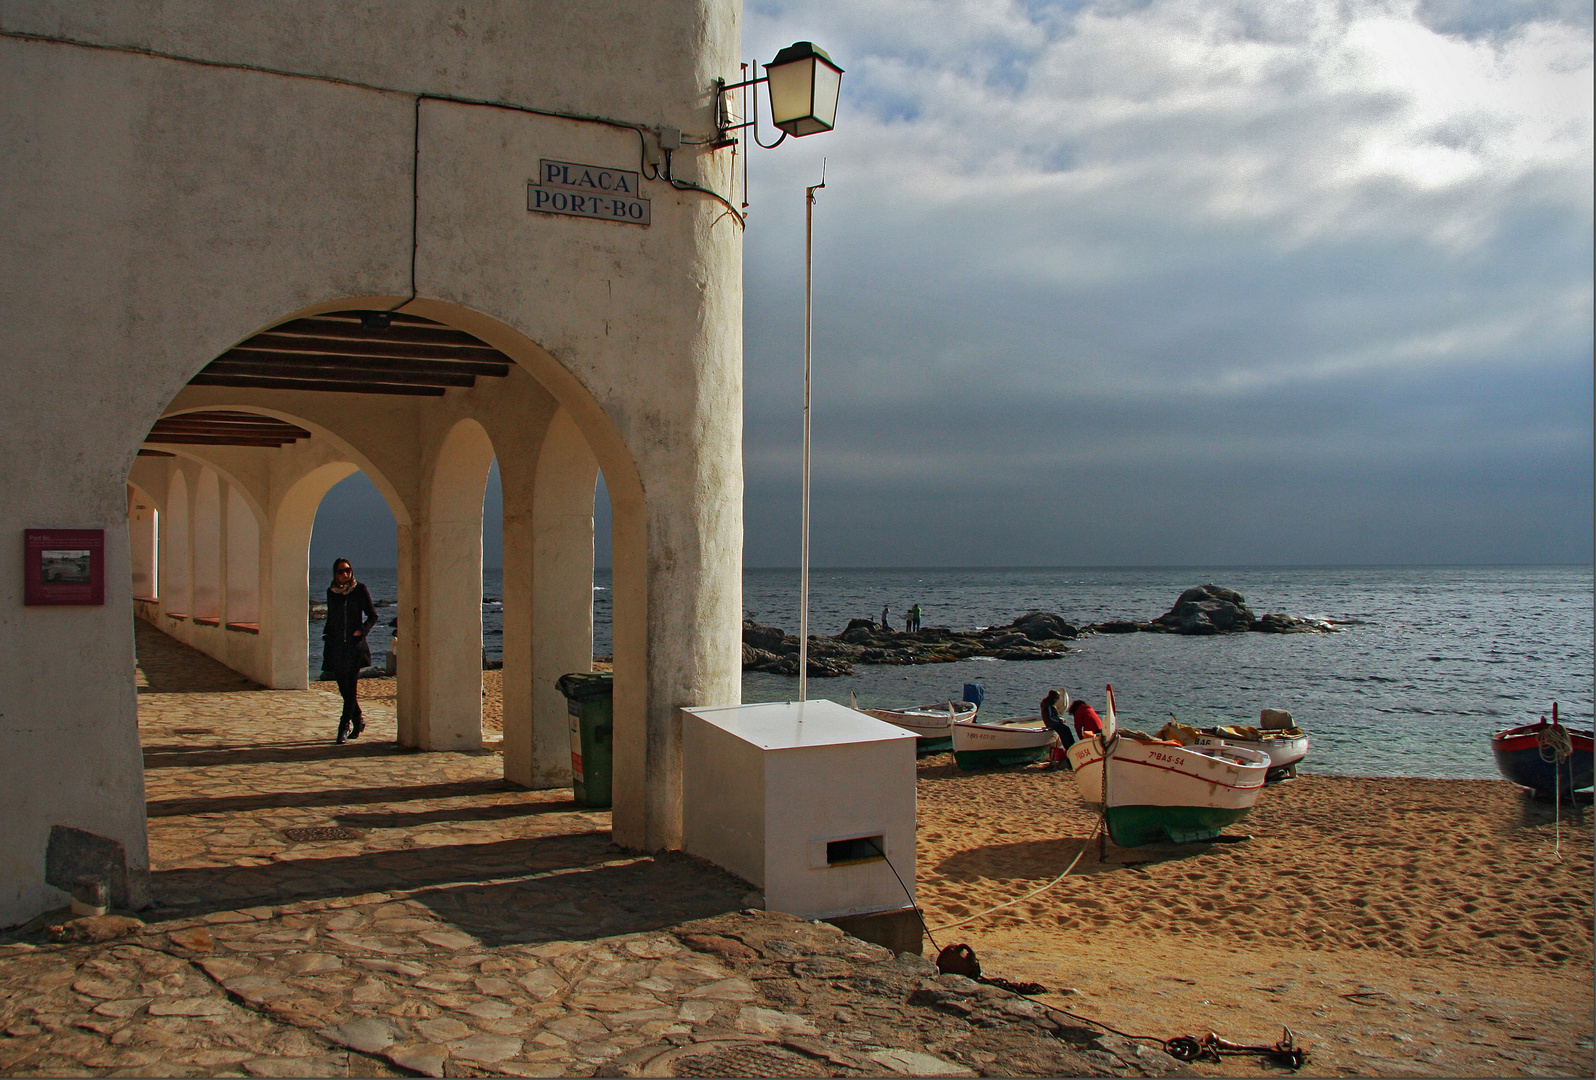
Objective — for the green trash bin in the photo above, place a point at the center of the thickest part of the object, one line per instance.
(588, 700)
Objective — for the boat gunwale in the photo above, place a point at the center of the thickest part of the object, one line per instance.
(1262, 767)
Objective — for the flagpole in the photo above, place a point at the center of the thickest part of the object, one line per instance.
(803, 573)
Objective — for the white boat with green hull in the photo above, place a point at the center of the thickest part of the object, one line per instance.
(1154, 790)
(1020, 741)
(931, 724)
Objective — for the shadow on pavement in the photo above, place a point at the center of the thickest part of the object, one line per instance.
(170, 667)
(196, 890)
(499, 812)
(646, 894)
(225, 804)
(179, 756)
(587, 888)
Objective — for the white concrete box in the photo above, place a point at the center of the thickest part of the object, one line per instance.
(807, 800)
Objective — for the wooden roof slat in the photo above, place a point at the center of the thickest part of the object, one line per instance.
(291, 343)
(434, 365)
(342, 387)
(354, 331)
(290, 434)
(215, 440)
(337, 373)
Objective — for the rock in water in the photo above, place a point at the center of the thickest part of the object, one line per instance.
(1044, 626)
(1209, 609)
(768, 638)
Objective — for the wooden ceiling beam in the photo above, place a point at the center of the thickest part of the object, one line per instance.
(354, 331)
(422, 365)
(336, 373)
(261, 431)
(326, 385)
(290, 343)
(214, 440)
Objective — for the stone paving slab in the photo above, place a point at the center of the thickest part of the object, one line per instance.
(454, 926)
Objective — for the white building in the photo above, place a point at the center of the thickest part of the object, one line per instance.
(180, 179)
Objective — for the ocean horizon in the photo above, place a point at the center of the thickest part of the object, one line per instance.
(1426, 662)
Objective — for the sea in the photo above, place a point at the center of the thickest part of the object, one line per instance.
(1424, 664)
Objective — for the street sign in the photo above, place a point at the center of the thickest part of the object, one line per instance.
(590, 191)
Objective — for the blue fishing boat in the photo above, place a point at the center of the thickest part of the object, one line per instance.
(1545, 757)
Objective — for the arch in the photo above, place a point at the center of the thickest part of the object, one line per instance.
(288, 553)
(174, 541)
(397, 504)
(206, 550)
(647, 773)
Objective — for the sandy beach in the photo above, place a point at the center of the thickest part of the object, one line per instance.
(1399, 927)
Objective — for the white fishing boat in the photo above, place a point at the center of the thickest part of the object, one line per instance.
(1276, 735)
(931, 724)
(1155, 790)
(1283, 749)
(980, 745)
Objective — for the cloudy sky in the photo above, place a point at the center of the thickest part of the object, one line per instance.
(1180, 282)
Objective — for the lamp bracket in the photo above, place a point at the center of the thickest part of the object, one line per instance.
(745, 82)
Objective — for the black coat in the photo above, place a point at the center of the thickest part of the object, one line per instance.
(346, 614)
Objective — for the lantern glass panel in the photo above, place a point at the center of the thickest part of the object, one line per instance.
(828, 84)
(791, 91)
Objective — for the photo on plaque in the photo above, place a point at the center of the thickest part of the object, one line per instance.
(65, 566)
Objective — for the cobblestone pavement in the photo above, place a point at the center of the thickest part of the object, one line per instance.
(441, 923)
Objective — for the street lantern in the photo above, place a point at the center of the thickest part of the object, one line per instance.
(804, 84)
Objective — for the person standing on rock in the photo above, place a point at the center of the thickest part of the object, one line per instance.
(350, 617)
(885, 625)
(914, 619)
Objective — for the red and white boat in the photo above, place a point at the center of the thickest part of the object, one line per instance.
(1152, 790)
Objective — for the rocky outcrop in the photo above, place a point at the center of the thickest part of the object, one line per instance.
(1035, 636)
(1212, 609)
(1209, 609)
(1044, 626)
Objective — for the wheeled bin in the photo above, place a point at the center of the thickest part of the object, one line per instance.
(589, 700)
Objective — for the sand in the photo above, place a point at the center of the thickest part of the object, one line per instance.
(1399, 927)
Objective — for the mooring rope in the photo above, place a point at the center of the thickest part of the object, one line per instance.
(1556, 747)
(1034, 892)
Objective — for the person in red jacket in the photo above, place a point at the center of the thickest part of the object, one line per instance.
(1087, 722)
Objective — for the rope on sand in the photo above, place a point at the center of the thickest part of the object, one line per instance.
(1033, 892)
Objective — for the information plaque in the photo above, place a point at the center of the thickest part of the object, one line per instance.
(63, 566)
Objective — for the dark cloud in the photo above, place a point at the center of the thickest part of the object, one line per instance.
(1165, 283)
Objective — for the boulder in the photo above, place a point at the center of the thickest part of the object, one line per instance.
(1043, 626)
(1209, 609)
(768, 638)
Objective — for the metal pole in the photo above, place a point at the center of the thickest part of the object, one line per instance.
(803, 573)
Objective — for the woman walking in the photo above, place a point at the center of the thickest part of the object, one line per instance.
(350, 616)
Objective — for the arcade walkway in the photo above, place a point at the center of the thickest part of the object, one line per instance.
(356, 910)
